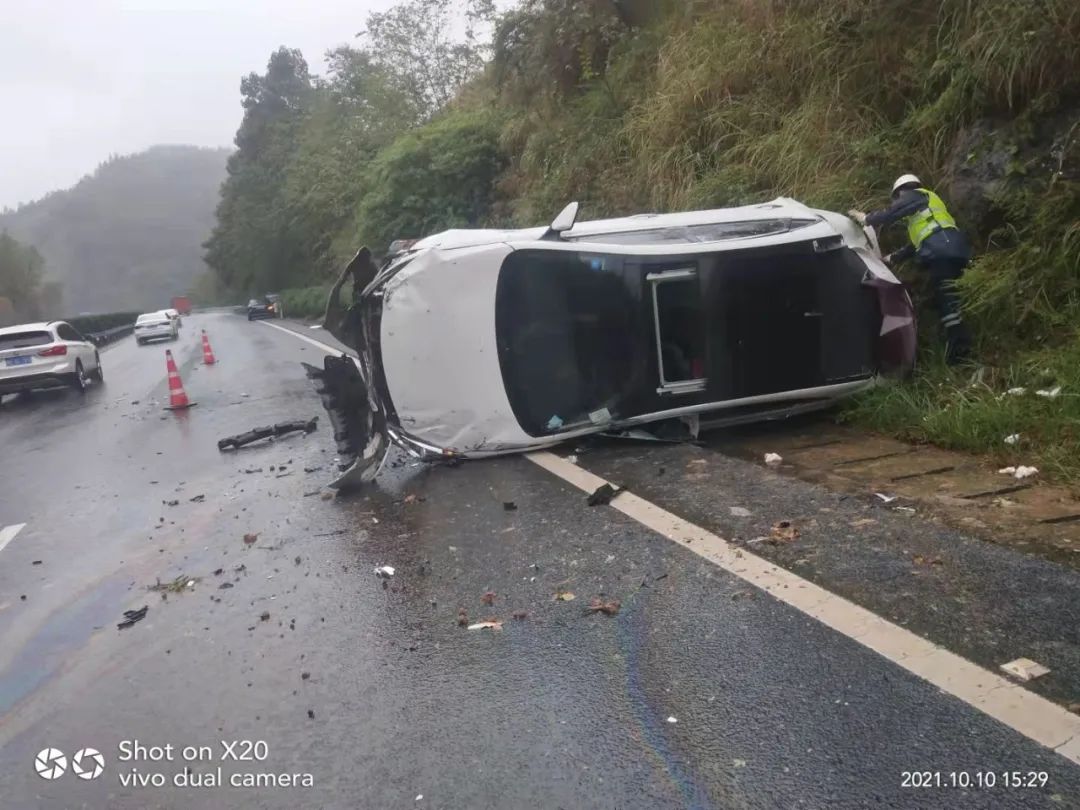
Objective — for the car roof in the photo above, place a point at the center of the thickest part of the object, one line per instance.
(780, 208)
(40, 326)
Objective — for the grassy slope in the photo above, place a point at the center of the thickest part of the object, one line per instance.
(731, 101)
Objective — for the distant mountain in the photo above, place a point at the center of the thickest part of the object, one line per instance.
(128, 236)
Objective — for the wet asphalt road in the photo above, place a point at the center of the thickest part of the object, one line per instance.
(381, 697)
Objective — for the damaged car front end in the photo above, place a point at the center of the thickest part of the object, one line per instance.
(483, 342)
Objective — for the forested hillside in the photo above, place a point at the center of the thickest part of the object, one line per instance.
(628, 105)
(129, 235)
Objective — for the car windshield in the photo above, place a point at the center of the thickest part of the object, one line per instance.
(691, 234)
(19, 340)
(254, 303)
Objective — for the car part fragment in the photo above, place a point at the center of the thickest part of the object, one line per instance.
(259, 433)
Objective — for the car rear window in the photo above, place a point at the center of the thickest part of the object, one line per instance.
(19, 340)
(144, 319)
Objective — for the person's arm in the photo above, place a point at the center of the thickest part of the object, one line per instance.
(901, 255)
(907, 205)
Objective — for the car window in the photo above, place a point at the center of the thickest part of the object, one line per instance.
(254, 303)
(67, 332)
(151, 318)
(19, 340)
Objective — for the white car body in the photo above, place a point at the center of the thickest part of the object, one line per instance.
(484, 342)
(154, 326)
(46, 355)
(175, 316)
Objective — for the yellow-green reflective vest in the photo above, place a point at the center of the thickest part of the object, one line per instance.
(934, 217)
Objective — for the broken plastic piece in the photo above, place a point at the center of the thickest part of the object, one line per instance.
(487, 624)
(604, 495)
(280, 429)
(384, 571)
(600, 417)
(1049, 393)
(133, 616)
(886, 498)
(1020, 471)
(1012, 438)
(773, 459)
(1025, 669)
(554, 423)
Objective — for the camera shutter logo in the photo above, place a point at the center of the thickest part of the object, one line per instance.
(50, 763)
(88, 763)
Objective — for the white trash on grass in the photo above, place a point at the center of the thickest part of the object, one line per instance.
(1019, 472)
(1012, 438)
(1049, 393)
(773, 459)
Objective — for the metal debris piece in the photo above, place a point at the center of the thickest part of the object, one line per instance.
(133, 616)
(773, 459)
(604, 495)
(1025, 669)
(271, 431)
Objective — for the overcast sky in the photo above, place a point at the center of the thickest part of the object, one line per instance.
(83, 79)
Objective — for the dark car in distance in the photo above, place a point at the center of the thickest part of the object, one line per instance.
(261, 309)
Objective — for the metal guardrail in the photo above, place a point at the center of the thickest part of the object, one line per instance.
(109, 335)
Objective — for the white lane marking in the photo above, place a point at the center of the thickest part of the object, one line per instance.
(316, 343)
(1035, 717)
(7, 534)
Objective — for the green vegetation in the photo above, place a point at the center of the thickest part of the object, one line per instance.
(128, 235)
(99, 323)
(24, 293)
(665, 105)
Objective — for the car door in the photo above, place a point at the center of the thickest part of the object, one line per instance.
(78, 345)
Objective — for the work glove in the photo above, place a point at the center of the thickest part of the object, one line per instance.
(858, 216)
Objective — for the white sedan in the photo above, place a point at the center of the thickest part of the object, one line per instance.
(483, 342)
(155, 325)
(46, 355)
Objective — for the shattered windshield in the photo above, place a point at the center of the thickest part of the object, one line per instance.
(689, 234)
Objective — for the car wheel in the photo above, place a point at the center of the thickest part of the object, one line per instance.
(97, 375)
(78, 379)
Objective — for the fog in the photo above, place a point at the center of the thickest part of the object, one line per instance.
(83, 79)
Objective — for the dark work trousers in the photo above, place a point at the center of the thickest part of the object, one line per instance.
(943, 275)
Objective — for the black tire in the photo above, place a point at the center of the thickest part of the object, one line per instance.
(97, 375)
(78, 379)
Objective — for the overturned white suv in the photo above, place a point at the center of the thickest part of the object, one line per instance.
(482, 342)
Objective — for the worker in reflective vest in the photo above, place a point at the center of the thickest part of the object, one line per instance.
(940, 247)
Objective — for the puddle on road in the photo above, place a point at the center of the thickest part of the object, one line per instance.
(64, 632)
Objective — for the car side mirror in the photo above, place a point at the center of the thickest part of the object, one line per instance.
(563, 222)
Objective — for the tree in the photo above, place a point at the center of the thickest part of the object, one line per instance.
(417, 43)
(24, 293)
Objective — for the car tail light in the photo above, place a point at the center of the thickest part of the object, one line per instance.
(53, 351)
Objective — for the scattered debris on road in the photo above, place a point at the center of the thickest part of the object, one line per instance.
(197, 499)
(608, 608)
(783, 531)
(133, 616)
(171, 503)
(1025, 669)
(264, 616)
(562, 595)
(384, 571)
(604, 495)
(487, 624)
(509, 506)
(270, 431)
(673, 719)
(489, 598)
(1019, 472)
(179, 585)
(251, 538)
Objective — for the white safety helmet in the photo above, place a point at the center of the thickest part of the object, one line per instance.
(905, 179)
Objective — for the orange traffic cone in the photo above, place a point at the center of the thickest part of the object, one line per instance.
(178, 400)
(207, 352)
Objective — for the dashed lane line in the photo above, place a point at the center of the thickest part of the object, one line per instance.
(7, 534)
(1023, 711)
